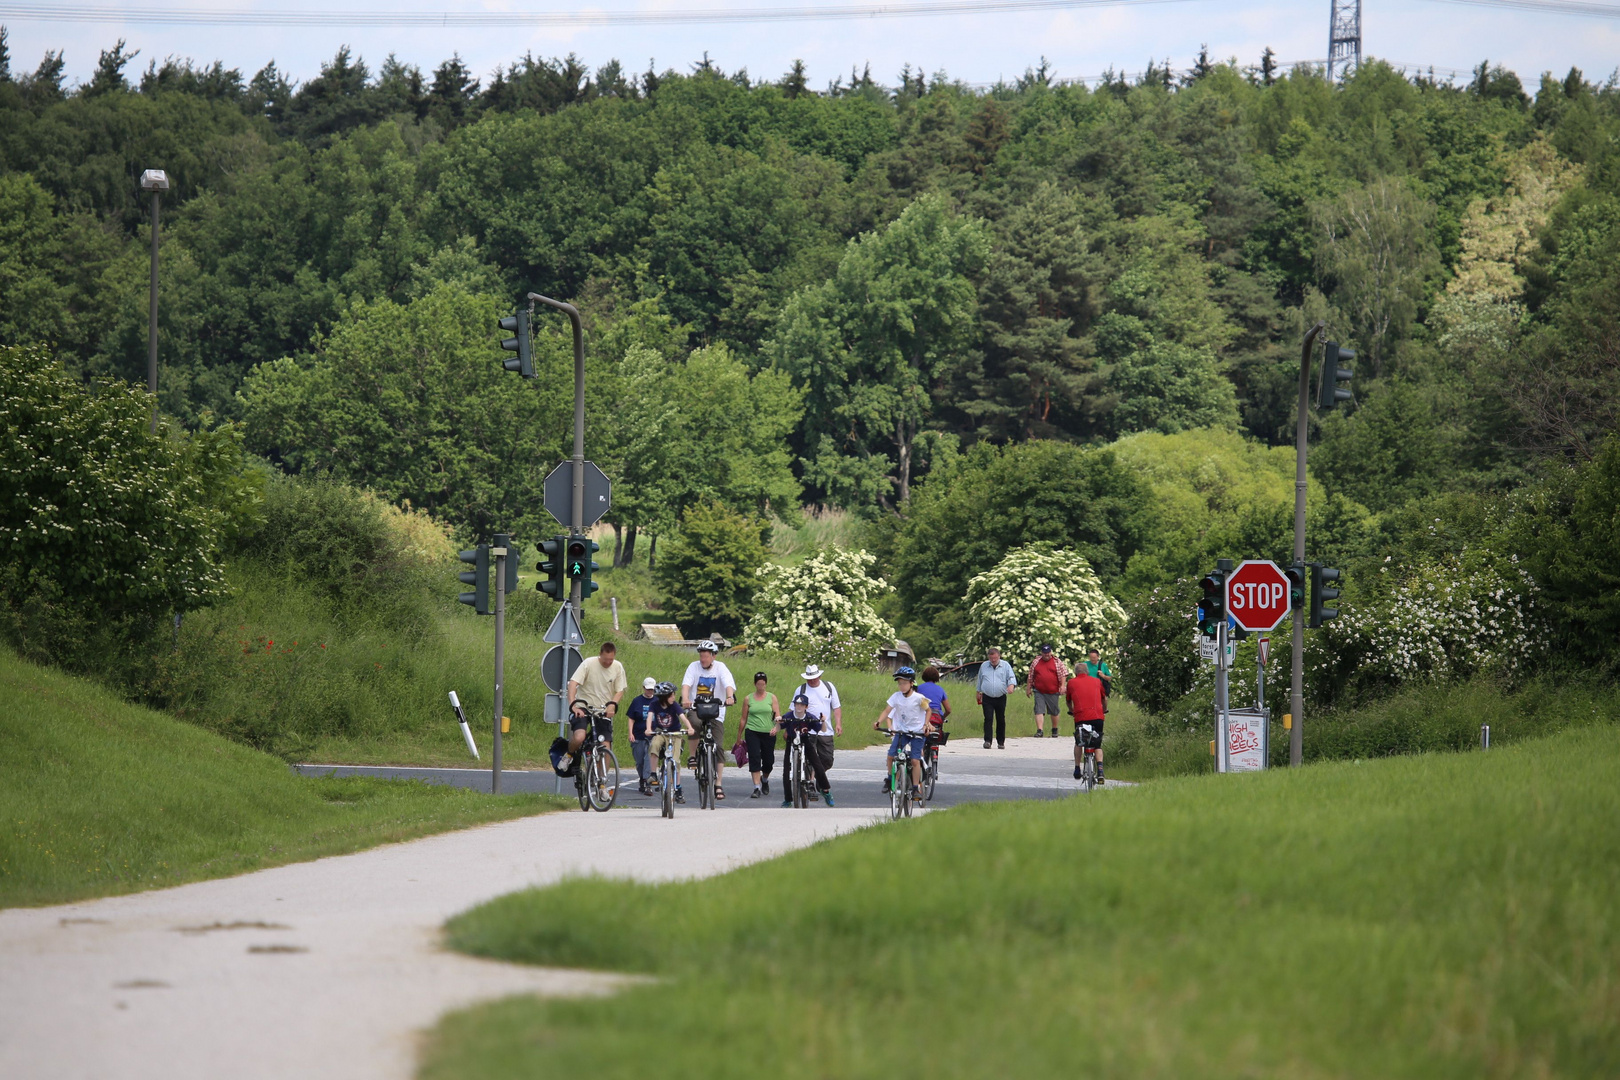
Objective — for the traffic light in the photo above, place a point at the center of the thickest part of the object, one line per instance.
(552, 554)
(1321, 594)
(518, 326)
(1298, 574)
(580, 564)
(1212, 607)
(478, 578)
(1335, 370)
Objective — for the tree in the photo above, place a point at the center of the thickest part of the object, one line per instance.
(1376, 254)
(707, 571)
(874, 342)
(820, 611)
(1041, 594)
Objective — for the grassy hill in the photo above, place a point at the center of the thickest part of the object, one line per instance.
(103, 797)
(1439, 915)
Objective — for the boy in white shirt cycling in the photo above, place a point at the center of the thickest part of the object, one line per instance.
(907, 714)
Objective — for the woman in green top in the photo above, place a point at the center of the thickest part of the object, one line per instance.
(763, 712)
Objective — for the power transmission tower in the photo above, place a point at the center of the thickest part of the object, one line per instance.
(1344, 37)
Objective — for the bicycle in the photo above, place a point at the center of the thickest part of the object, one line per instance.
(1090, 743)
(596, 776)
(900, 799)
(930, 762)
(705, 764)
(799, 775)
(669, 772)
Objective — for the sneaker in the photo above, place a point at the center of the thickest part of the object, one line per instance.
(765, 785)
(916, 793)
(885, 785)
(1039, 734)
(680, 796)
(987, 744)
(814, 796)
(827, 797)
(1099, 776)
(787, 802)
(755, 795)
(1077, 773)
(1001, 746)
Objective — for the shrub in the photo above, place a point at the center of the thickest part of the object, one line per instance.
(707, 571)
(1040, 593)
(821, 610)
(1158, 653)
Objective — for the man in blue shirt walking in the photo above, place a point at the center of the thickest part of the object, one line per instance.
(996, 678)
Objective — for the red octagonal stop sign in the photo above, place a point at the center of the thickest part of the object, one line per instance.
(1257, 594)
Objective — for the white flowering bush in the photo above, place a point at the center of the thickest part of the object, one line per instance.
(1438, 619)
(820, 611)
(1042, 594)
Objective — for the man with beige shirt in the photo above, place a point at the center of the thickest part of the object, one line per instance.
(599, 683)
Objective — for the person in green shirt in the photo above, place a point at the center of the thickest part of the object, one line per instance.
(1097, 667)
(759, 733)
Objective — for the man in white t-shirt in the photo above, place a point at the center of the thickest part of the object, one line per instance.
(708, 677)
(907, 713)
(824, 703)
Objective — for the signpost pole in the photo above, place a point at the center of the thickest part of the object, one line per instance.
(1296, 738)
(576, 527)
(500, 664)
(1221, 701)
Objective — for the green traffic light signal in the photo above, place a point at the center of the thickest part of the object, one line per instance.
(1212, 607)
(580, 566)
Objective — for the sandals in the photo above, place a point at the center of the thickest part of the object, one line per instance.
(719, 793)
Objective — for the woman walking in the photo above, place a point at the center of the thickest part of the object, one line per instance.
(758, 731)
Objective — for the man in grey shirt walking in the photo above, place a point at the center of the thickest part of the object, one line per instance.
(996, 678)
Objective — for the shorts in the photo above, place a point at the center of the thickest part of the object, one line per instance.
(1080, 738)
(604, 727)
(913, 742)
(1047, 704)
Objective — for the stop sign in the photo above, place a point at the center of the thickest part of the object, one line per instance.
(1257, 594)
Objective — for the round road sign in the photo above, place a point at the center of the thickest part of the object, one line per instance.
(1257, 594)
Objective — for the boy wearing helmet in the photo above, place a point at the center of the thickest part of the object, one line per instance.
(907, 713)
(707, 677)
(664, 719)
(799, 718)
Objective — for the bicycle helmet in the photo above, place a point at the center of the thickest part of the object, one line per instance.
(664, 689)
(907, 672)
(707, 646)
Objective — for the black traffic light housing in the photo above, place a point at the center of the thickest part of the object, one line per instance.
(1335, 370)
(552, 554)
(1298, 577)
(477, 577)
(502, 540)
(580, 565)
(1321, 594)
(520, 343)
(1212, 605)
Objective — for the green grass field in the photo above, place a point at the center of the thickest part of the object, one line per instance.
(1439, 915)
(103, 797)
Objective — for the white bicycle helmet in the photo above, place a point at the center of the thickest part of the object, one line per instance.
(707, 646)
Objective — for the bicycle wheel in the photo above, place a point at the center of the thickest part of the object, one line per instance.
(603, 784)
(700, 775)
(905, 771)
(930, 773)
(666, 779)
(1088, 773)
(580, 769)
(711, 769)
(801, 779)
(898, 796)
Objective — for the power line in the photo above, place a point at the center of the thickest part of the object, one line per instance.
(1550, 7)
(183, 16)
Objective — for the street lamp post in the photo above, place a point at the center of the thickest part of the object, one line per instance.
(156, 181)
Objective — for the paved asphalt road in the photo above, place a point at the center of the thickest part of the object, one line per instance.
(1027, 769)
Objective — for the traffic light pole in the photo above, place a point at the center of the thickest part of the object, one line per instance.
(1296, 737)
(576, 598)
(500, 554)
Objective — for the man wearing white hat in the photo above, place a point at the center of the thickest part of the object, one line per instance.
(824, 703)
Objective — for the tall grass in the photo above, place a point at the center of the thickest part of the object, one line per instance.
(819, 527)
(1441, 915)
(104, 797)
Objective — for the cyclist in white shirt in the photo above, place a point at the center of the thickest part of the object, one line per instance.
(907, 713)
(708, 677)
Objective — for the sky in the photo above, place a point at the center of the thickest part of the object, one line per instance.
(974, 48)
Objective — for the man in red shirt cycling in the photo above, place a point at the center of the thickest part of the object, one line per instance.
(1085, 697)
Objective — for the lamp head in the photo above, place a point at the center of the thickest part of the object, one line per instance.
(154, 180)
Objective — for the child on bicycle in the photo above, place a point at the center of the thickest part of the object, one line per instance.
(799, 720)
(907, 713)
(666, 720)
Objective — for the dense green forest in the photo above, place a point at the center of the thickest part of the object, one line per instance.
(972, 318)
